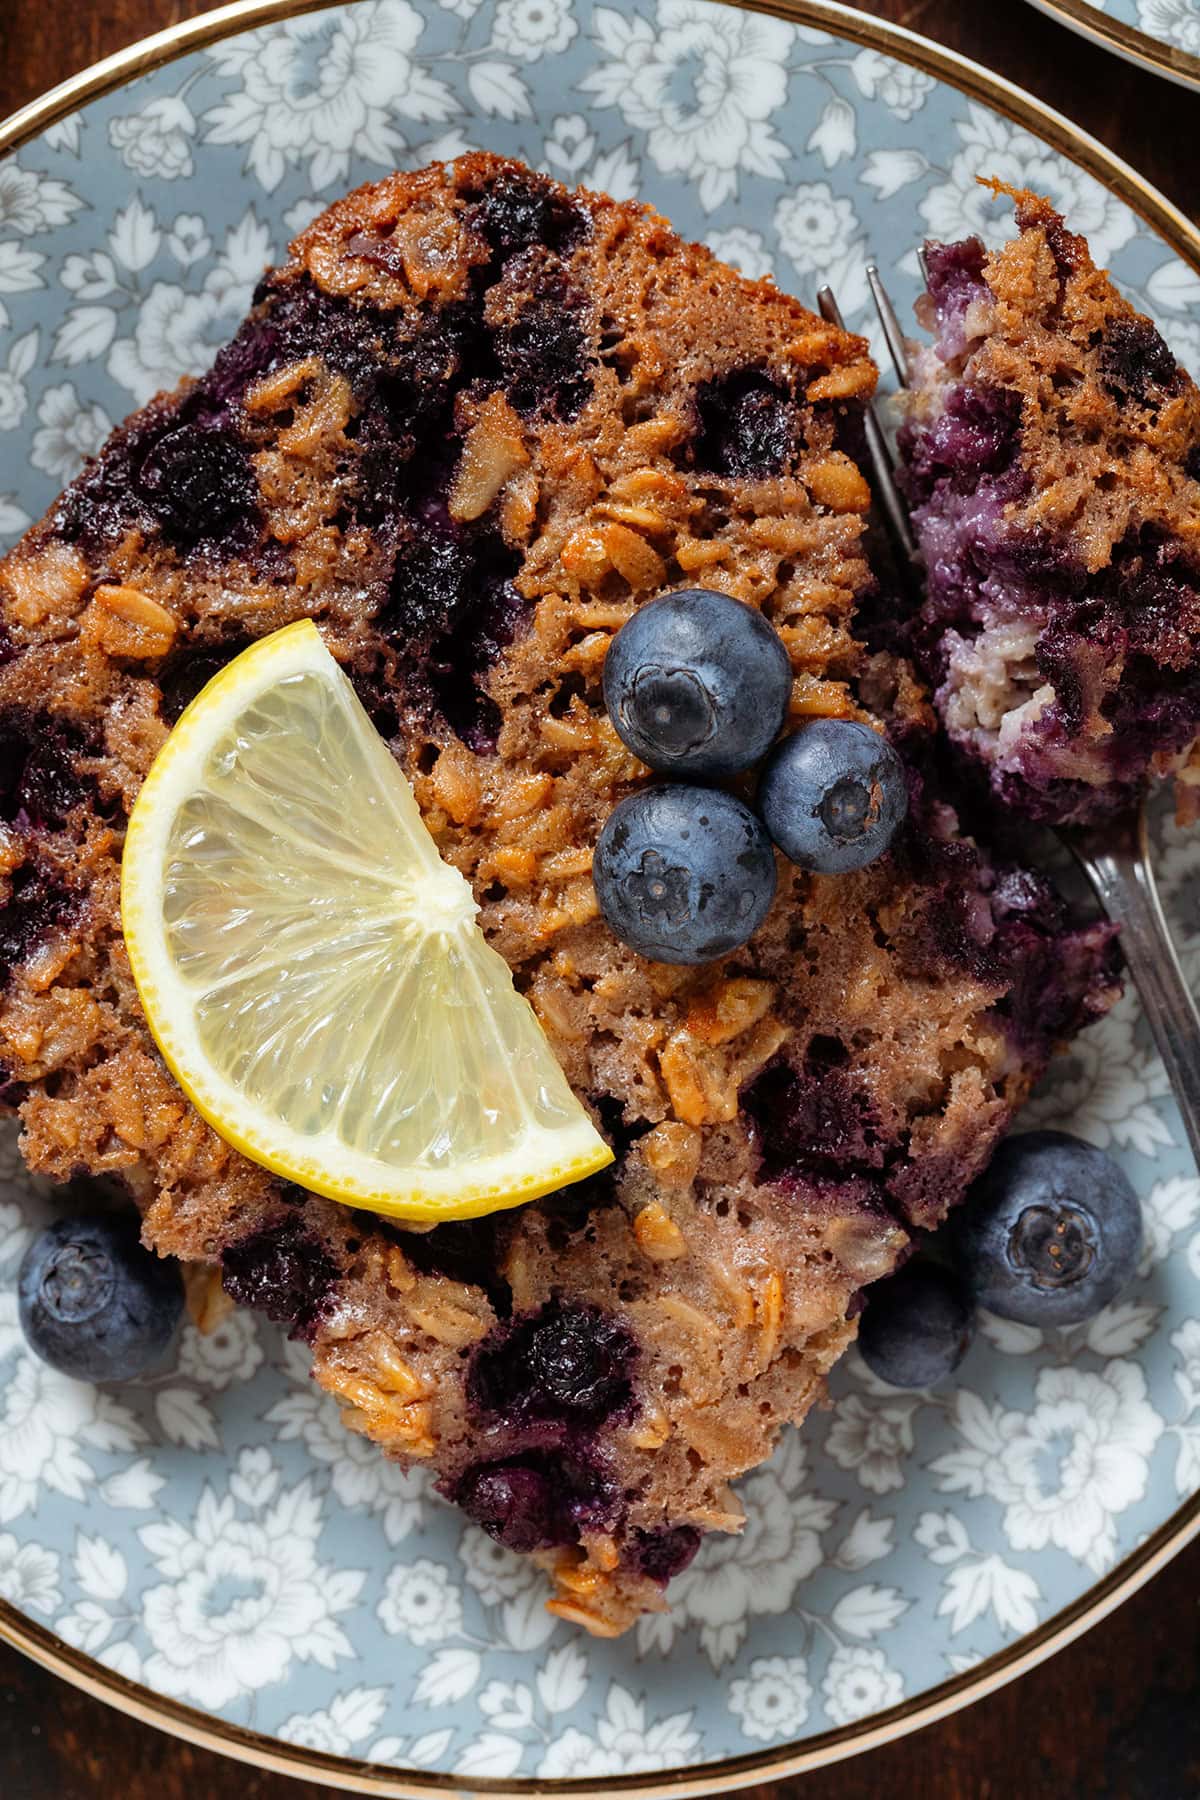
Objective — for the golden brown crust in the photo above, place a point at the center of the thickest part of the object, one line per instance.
(1110, 461)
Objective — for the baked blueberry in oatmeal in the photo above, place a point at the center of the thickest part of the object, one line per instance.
(1052, 457)
(469, 427)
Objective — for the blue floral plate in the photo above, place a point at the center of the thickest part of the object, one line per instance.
(208, 1548)
(1161, 35)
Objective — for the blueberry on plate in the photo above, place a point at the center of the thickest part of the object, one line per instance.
(93, 1302)
(683, 874)
(1051, 1232)
(697, 684)
(917, 1326)
(833, 796)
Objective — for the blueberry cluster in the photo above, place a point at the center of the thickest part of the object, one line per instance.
(697, 686)
(551, 1378)
(1049, 1235)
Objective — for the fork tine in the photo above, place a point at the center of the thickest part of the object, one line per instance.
(885, 481)
(923, 265)
(892, 332)
(878, 449)
(828, 307)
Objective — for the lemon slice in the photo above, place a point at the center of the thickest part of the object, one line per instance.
(313, 971)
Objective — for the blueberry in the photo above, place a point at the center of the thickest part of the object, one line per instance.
(284, 1272)
(1134, 360)
(683, 874)
(1051, 1232)
(917, 1326)
(665, 1553)
(201, 486)
(748, 426)
(538, 1499)
(833, 796)
(697, 684)
(570, 1363)
(93, 1302)
(514, 1505)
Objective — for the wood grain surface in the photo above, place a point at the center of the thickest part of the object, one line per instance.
(1114, 1717)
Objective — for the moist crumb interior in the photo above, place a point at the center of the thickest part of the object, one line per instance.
(1052, 456)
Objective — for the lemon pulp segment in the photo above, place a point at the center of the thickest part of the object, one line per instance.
(313, 971)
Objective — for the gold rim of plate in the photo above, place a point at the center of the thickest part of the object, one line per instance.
(354, 1777)
(1125, 40)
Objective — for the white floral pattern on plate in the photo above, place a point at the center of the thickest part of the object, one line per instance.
(212, 1531)
(1169, 22)
(243, 1592)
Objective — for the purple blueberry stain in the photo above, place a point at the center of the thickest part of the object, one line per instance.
(956, 283)
(200, 486)
(746, 426)
(38, 905)
(451, 608)
(976, 433)
(662, 1554)
(250, 355)
(539, 335)
(186, 671)
(571, 1209)
(1008, 929)
(818, 1119)
(520, 209)
(284, 1272)
(470, 1251)
(1135, 361)
(40, 792)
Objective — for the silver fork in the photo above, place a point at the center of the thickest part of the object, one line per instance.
(1115, 857)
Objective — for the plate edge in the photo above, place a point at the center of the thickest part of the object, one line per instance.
(961, 72)
(694, 1782)
(1125, 40)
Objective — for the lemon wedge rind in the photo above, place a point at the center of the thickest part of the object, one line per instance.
(392, 905)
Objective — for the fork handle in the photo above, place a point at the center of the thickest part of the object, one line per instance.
(1117, 863)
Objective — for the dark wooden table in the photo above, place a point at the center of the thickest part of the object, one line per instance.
(1116, 1716)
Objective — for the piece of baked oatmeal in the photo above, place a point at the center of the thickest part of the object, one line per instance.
(469, 426)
